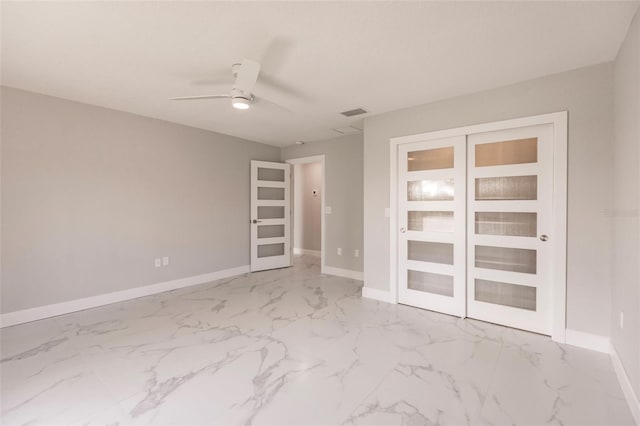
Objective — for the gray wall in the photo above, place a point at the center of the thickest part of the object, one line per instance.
(626, 201)
(587, 95)
(307, 207)
(343, 193)
(90, 196)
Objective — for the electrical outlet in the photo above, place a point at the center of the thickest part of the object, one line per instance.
(356, 253)
(339, 251)
(158, 262)
(621, 319)
(165, 261)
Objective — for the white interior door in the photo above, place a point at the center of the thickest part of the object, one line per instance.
(431, 218)
(270, 215)
(509, 208)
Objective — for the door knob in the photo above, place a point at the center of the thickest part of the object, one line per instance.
(544, 237)
(402, 230)
(256, 221)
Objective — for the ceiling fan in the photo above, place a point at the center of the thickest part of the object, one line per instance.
(246, 74)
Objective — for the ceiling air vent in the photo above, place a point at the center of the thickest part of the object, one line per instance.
(348, 130)
(353, 112)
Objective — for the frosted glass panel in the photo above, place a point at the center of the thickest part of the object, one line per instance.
(514, 295)
(430, 221)
(270, 231)
(270, 193)
(506, 259)
(430, 283)
(430, 190)
(507, 188)
(425, 251)
(270, 212)
(503, 223)
(508, 152)
(430, 159)
(268, 250)
(274, 175)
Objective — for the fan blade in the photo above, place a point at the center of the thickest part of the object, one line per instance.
(267, 101)
(247, 76)
(190, 98)
(272, 83)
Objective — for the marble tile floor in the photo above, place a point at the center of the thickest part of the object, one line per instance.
(294, 347)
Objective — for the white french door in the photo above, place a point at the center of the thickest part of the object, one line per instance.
(509, 209)
(431, 243)
(270, 215)
(475, 217)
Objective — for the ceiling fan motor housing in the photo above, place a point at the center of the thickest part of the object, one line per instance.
(235, 68)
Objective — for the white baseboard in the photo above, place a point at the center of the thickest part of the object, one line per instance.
(41, 312)
(346, 273)
(581, 339)
(603, 344)
(625, 384)
(375, 294)
(305, 251)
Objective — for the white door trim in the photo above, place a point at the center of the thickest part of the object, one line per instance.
(306, 160)
(559, 246)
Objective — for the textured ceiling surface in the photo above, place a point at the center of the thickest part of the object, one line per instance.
(318, 58)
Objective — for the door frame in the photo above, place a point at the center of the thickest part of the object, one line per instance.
(306, 160)
(559, 121)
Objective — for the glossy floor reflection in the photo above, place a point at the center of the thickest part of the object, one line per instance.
(293, 347)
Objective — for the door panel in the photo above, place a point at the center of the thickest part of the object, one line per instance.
(517, 224)
(431, 252)
(510, 178)
(270, 215)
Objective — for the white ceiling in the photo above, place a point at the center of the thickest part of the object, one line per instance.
(318, 58)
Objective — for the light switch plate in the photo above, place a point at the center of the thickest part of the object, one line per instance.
(327, 210)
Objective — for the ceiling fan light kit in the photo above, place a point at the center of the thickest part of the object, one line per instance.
(240, 102)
